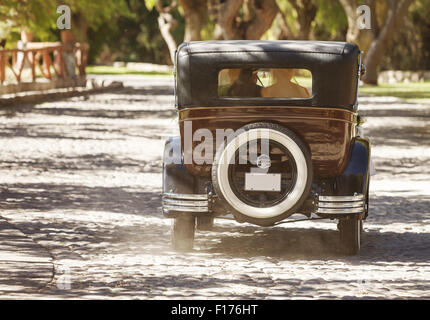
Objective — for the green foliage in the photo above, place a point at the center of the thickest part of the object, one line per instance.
(330, 22)
(410, 47)
(132, 37)
(150, 4)
(38, 16)
(123, 70)
(128, 29)
(290, 15)
(208, 30)
(98, 12)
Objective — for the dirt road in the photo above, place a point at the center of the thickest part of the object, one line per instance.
(81, 181)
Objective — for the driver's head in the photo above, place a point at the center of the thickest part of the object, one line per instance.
(246, 75)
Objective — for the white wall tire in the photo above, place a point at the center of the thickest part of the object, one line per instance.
(271, 214)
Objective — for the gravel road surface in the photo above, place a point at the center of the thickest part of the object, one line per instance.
(80, 195)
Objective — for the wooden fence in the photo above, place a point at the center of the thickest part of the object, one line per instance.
(43, 56)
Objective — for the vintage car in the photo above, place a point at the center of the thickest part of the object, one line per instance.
(268, 129)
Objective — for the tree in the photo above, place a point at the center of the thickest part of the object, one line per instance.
(37, 16)
(330, 22)
(305, 10)
(91, 14)
(386, 17)
(242, 19)
(364, 37)
(167, 23)
(309, 19)
(234, 19)
(40, 16)
(195, 16)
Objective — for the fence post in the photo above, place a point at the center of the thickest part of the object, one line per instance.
(2, 68)
(33, 64)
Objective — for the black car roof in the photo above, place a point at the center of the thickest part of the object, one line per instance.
(299, 46)
(334, 68)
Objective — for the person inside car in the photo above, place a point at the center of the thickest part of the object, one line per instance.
(245, 85)
(283, 86)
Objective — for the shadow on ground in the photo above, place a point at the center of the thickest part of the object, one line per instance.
(151, 99)
(47, 197)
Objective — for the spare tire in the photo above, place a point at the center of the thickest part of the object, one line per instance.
(274, 154)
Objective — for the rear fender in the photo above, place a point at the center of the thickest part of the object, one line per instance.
(356, 177)
(176, 178)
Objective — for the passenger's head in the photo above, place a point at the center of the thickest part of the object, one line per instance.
(284, 74)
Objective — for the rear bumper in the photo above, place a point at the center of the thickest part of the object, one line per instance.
(341, 205)
(201, 204)
(174, 203)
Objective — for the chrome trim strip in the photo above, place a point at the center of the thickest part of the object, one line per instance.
(185, 209)
(358, 81)
(283, 107)
(341, 211)
(186, 203)
(185, 196)
(340, 204)
(264, 116)
(358, 197)
(175, 79)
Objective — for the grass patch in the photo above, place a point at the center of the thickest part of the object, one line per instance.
(417, 92)
(110, 70)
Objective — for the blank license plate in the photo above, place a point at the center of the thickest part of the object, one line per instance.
(262, 181)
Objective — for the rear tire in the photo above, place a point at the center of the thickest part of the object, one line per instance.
(183, 233)
(205, 223)
(350, 236)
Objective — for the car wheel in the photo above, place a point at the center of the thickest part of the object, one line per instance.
(183, 233)
(350, 236)
(286, 157)
(205, 223)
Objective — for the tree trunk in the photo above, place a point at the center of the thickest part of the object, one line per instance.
(363, 38)
(166, 23)
(265, 12)
(80, 27)
(379, 45)
(225, 16)
(285, 32)
(195, 16)
(67, 36)
(258, 18)
(306, 12)
(375, 41)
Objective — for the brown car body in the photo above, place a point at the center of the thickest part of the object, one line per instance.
(318, 163)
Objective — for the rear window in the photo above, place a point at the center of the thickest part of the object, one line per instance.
(265, 83)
